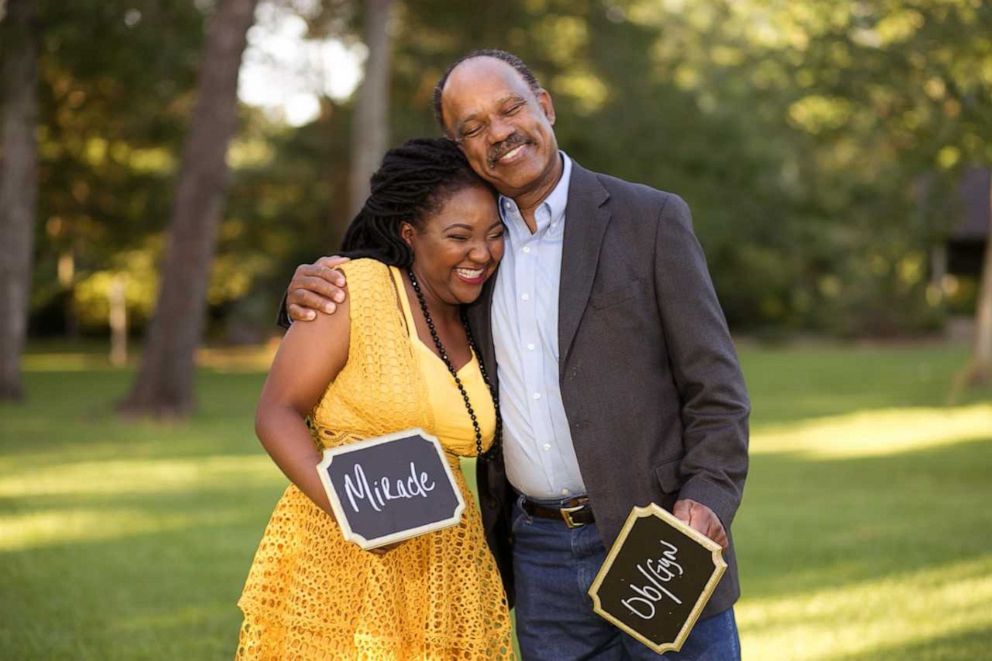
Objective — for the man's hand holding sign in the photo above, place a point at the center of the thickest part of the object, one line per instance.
(701, 519)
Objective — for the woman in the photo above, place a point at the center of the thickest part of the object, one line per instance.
(400, 356)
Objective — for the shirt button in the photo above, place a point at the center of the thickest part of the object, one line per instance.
(537, 395)
(526, 249)
(530, 347)
(525, 297)
(565, 492)
(547, 446)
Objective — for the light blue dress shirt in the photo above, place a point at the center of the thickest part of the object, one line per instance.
(537, 443)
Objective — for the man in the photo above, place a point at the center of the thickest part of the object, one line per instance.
(618, 382)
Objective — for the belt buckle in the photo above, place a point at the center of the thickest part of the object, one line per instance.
(566, 514)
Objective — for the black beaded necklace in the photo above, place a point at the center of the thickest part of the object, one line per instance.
(443, 353)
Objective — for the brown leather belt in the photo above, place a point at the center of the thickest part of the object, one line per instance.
(575, 512)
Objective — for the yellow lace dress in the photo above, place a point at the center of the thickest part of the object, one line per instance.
(312, 595)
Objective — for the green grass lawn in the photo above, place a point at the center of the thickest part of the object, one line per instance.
(864, 534)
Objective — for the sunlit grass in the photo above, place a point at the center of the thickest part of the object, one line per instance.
(875, 433)
(864, 532)
(131, 476)
(65, 525)
(874, 619)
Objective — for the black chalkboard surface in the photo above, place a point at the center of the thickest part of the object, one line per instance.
(657, 578)
(390, 488)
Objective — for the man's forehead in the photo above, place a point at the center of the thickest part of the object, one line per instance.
(482, 79)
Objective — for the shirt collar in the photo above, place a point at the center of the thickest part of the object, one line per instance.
(552, 209)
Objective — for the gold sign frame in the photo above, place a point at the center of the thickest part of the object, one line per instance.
(719, 567)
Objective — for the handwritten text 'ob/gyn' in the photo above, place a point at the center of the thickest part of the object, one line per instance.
(658, 572)
(379, 491)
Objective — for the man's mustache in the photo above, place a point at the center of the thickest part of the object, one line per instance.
(498, 150)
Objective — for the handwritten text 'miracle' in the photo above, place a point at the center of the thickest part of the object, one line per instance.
(379, 491)
(658, 572)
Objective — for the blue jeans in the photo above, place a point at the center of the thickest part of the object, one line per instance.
(554, 565)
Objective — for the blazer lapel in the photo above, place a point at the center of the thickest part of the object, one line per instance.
(586, 218)
(480, 321)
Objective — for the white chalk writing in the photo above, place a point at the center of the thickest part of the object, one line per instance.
(377, 492)
(658, 572)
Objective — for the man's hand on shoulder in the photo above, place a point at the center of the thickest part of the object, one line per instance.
(702, 519)
(316, 287)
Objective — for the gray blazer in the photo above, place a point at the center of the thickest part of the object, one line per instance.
(649, 377)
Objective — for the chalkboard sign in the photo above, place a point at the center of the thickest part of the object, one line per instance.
(657, 578)
(390, 488)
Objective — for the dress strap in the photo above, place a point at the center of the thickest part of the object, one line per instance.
(398, 284)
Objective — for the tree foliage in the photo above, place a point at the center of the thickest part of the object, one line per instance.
(799, 133)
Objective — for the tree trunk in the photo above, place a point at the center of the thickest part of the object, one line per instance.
(18, 186)
(164, 384)
(979, 372)
(370, 132)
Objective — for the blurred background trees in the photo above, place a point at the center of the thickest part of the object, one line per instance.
(821, 146)
(164, 383)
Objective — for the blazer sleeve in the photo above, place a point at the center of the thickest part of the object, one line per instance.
(282, 318)
(714, 402)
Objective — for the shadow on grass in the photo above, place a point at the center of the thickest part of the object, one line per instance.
(72, 413)
(808, 527)
(973, 644)
(825, 543)
(857, 557)
(804, 383)
(169, 591)
(808, 524)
